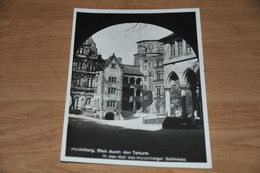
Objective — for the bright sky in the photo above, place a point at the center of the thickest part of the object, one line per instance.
(121, 39)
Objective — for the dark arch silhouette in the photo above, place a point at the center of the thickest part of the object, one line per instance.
(138, 92)
(132, 80)
(173, 76)
(138, 81)
(191, 77)
(183, 24)
(109, 116)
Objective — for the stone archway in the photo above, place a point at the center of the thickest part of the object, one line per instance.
(181, 23)
(193, 83)
(110, 116)
(171, 79)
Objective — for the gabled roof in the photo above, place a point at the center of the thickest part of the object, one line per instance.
(170, 38)
(110, 59)
(131, 70)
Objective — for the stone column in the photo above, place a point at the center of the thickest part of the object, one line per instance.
(198, 101)
(184, 47)
(134, 106)
(176, 47)
(193, 93)
(168, 101)
(183, 102)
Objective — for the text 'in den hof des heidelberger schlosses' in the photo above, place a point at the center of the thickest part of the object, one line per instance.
(127, 155)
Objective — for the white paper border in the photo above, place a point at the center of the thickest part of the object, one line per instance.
(207, 164)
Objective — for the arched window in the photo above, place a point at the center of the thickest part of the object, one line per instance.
(132, 80)
(138, 81)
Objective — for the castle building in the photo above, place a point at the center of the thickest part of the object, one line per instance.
(109, 89)
(86, 64)
(132, 88)
(163, 80)
(103, 88)
(181, 79)
(149, 59)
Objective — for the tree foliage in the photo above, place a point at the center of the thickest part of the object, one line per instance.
(147, 99)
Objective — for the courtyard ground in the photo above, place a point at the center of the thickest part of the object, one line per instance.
(133, 135)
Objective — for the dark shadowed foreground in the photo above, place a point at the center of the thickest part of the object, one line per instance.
(86, 136)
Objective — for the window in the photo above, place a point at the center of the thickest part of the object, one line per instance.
(89, 83)
(138, 92)
(189, 49)
(78, 82)
(111, 104)
(112, 79)
(139, 80)
(80, 51)
(173, 50)
(157, 63)
(158, 75)
(158, 92)
(180, 48)
(132, 80)
(78, 65)
(88, 101)
(111, 90)
(86, 51)
(83, 66)
(161, 48)
(76, 103)
(113, 65)
(132, 92)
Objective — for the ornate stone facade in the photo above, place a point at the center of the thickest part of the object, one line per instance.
(149, 59)
(86, 64)
(181, 79)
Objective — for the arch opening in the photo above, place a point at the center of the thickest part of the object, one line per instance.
(110, 116)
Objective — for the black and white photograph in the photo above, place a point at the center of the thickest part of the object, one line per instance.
(136, 90)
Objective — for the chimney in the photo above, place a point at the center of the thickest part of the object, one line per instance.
(119, 60)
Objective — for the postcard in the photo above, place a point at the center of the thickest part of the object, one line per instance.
(136, 89)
